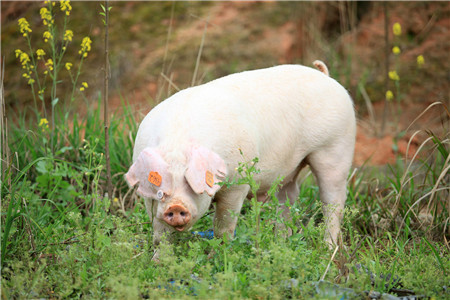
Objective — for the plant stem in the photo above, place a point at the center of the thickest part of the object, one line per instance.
(386, 66)
(105, 99)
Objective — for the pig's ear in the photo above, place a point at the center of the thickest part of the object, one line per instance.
(205, 169)
(151, 172)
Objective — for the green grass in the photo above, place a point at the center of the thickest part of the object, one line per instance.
(62, 238)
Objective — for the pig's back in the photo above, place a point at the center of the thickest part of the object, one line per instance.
(278, 114)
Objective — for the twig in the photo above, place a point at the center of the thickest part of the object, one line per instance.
(197, 63)
(105, 100)
(135, 224)
(28, 227)
(170, 82)
(386, 66)
(369, 107)
(329, 263)
(5, 156)
(66, 241)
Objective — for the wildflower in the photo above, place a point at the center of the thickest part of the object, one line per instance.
(43, 124)
(41, 92)
(85, 46)
(396, 50)
(394, 76)
(40, 53)
(68, 35)
(389, 95)
(420, 61)
(68, 66)
(18, 52)
(397, 29)
(23, 57)
(84, 86)
(65, 6)
(47, 35)
(24, 26)
(46, 16)
(30, 81)
(49, 64)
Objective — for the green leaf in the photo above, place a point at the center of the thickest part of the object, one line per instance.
(41, 167)
(55, 101)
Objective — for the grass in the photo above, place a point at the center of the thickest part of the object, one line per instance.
(61, 238)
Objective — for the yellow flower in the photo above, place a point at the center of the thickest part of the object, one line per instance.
(68, 66)
(397, 29)
(396, 50)
(389, 95)
(46, 16)
(43, 123)
(23, 57)
(24, 26)
(40, 53)
(420, 61)
(65, 6)
(47, 35)
(68, 35)
(49, 64)
(30, 81)
(84, 86)
(394, 76)
(85, 46)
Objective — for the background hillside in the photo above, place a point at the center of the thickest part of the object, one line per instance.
(148, 39)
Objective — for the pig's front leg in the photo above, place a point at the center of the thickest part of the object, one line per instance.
(228, 207)
(160, 229)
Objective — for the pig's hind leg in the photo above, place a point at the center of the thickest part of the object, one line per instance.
(331, 166)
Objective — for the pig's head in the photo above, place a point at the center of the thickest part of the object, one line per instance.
(183, 190)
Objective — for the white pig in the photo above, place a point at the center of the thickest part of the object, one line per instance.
(288, 116)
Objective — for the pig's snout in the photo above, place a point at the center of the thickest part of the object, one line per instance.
(177, 216)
